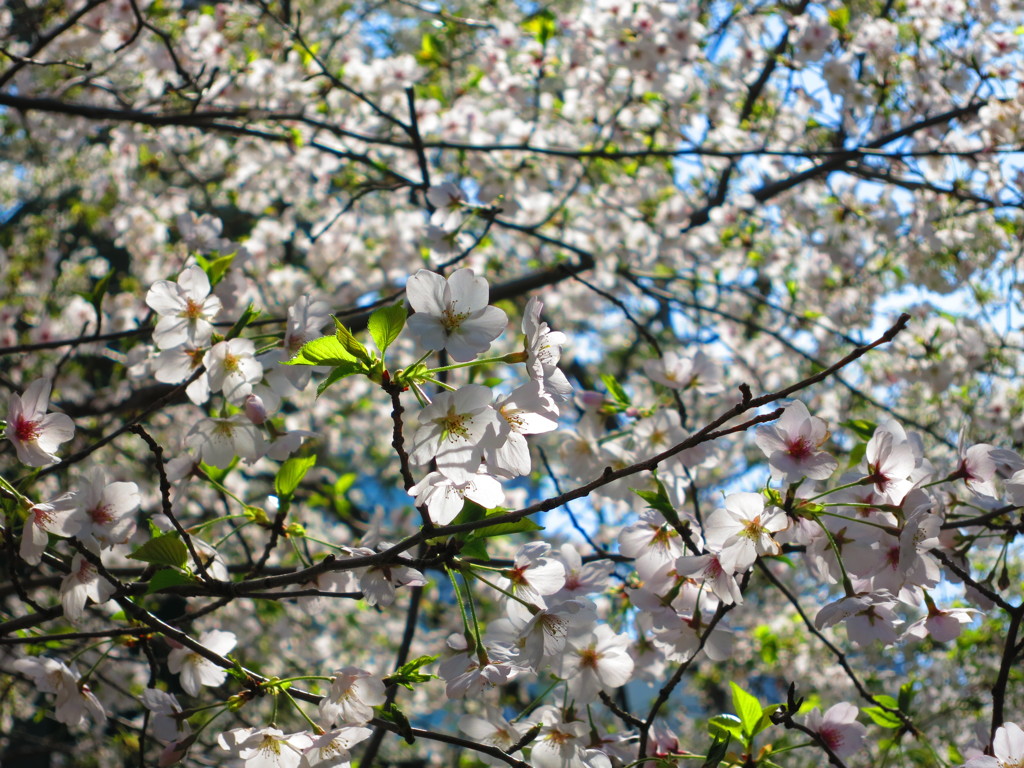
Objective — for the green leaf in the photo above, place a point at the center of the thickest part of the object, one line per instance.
(217, 474)
(408, 674)
(882, 716)
(526, 525)
(615, 389)
(724, 726)
(716, 753)
(857, 453)
(338, 373)
(99, 291)
(395, 714)
(658, 501)
(290, 475)
(351, 344)
(765, 721)
(326, 350)
(250, 314)
(748, 708)
(166, 549)
(541, 25)
(385, 324)
(906, 696)
(862, 427)
(167, 577)
(475, 549)
(216, 268)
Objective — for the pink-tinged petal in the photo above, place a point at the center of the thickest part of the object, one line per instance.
(770, 440)
(55, 428)
(36, 399)
(33, 542)
(425, 292)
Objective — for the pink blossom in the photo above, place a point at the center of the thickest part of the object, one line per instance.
(793, 445)
(839, 728)
(35, 434)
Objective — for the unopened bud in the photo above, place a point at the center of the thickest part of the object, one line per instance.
(589, 400)
(254, 409)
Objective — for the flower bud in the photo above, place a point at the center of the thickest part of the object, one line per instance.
(589, 400)
(254, 409)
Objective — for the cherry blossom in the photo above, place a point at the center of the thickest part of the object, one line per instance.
(453, 314)
(219, 441)
(527, 410)
(444, 497)
(595, 663)
(543, 351)
(692, 370)
(83, 583)
(454, 431)
(104, 511)
(53, 516)
(331, 749)
(33, 432)
(265, 747)
(186, 309)
(231, 367)
(353, 694)
(793, 445)
(75, 700)
(839, 728)
(194, 670)
(742, 530)
(1007, 749)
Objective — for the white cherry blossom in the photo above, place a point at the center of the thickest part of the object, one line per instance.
(453, 314)
(195, 670)
(186, 309)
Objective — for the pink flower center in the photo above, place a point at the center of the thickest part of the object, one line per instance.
(101, 514)
(799, 448)
(832, 736)
(25, 430)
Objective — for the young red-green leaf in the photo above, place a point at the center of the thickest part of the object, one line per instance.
(408, 674)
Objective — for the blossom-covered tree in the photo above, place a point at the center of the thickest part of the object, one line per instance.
(590, 383)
